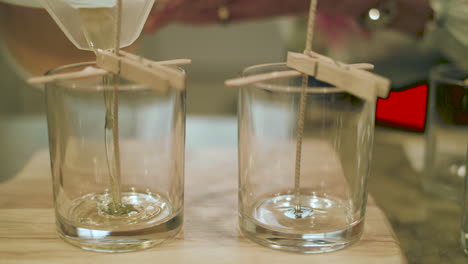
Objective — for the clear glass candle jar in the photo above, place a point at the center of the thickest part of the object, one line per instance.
(142, 203)
(447, 133)
(336, 154)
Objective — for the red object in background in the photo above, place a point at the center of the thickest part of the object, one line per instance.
(405, 109)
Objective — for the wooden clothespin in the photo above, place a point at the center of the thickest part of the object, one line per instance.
(158, 75)
(237, 82)
(354, 80)
(138, 69)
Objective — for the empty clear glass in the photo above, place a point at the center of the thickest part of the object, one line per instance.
(447, 138)
(336, 153)
(135, 204)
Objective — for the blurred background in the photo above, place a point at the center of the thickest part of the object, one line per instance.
(219, 52)
(31, 44)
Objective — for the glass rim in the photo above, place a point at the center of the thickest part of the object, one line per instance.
(72, 84)
(286, 88)
(437, 73)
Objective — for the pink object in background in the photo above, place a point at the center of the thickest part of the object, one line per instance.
(337, 30)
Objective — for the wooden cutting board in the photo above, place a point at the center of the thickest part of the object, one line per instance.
(27, 229)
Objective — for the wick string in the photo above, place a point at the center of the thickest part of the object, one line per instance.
(302, 108)
(115, 128)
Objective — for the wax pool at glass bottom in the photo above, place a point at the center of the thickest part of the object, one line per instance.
(149, 219)
(325, 223)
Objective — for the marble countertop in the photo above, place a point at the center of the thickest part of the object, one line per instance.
(427, 227)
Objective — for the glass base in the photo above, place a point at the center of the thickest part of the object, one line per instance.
(120, 241)
(322, 224)
(142, 221)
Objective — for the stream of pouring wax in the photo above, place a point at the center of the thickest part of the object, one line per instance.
(113, 208)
